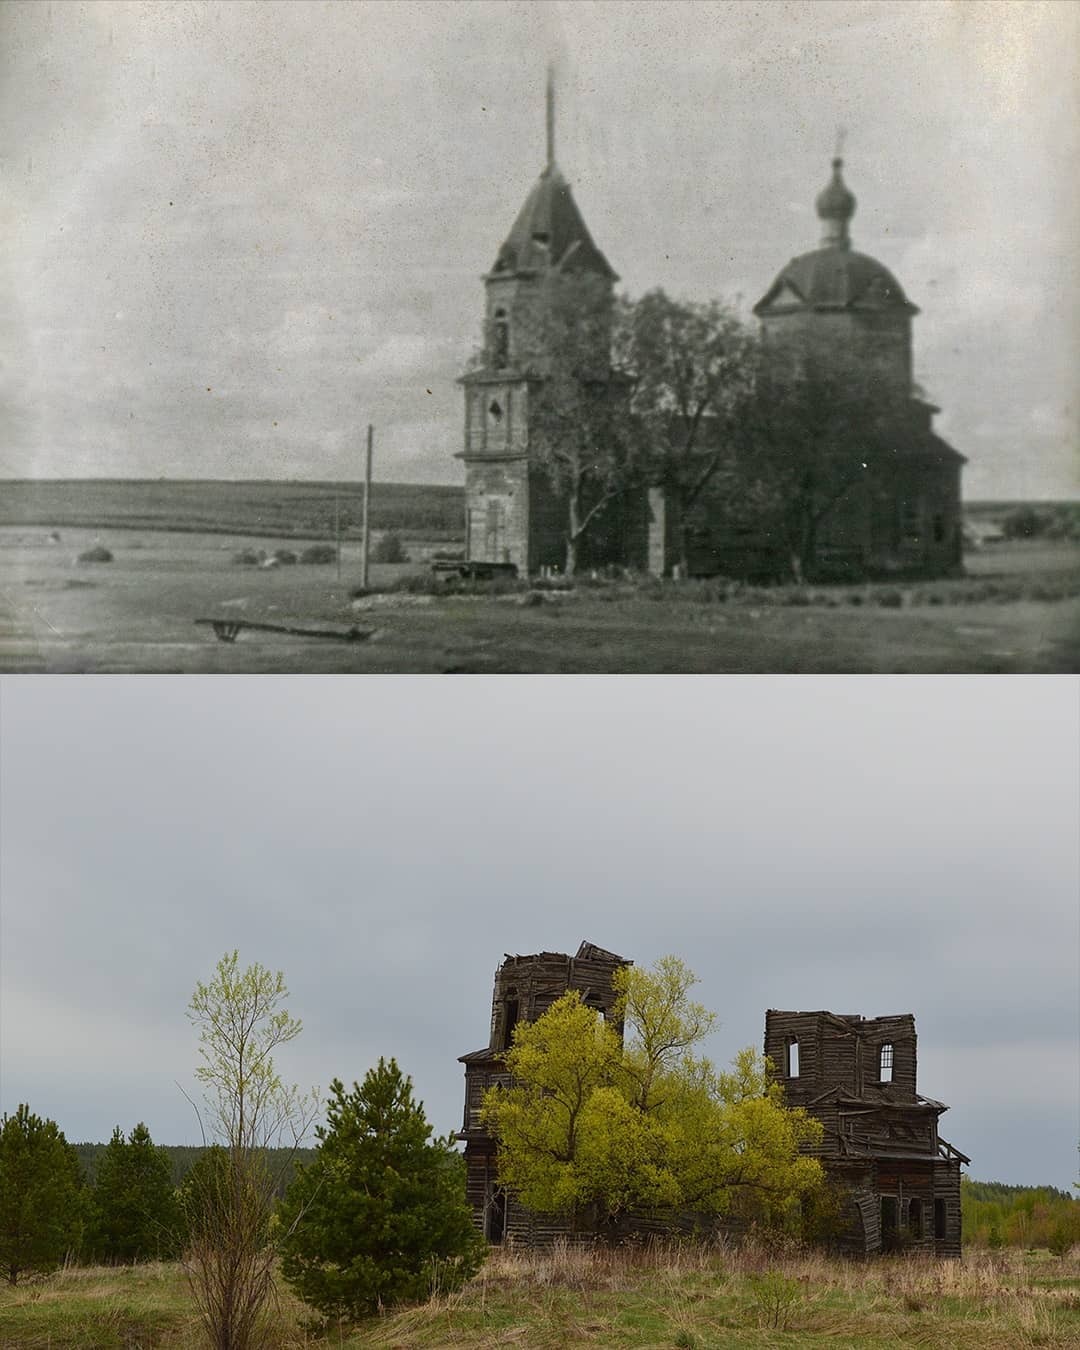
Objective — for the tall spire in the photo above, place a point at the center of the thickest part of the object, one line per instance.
(550, 117)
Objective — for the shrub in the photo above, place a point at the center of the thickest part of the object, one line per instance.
(390, 549)
(776, 1298)
(284, 556)
(98, 554)
(319, 554)
(890, 599)
(248, 557)
(1025, 523)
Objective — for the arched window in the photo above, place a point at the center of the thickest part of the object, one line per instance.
(791, 1059)
(885, 1063)
(500, 341)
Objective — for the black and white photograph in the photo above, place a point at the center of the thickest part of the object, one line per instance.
(540, 337)
(731, 345)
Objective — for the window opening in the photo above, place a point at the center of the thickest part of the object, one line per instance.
(496, 410)
(791, 1068)
(885, 1063)
(510, 1017)
(496, 1217)
(888, 1222)
(915, 1218)
(939, 1220)
(500, 353)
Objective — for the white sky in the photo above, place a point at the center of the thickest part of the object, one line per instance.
(874, 845)
(235, 233)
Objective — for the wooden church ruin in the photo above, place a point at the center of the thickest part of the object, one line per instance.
(899, 1179)
(901, 516)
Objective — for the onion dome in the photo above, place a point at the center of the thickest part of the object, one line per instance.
(836, 206)
(834, 276)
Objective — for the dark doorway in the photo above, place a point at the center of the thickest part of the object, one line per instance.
(496, 1217)
(915, 1218)
(939, 1220)
(889, 1223)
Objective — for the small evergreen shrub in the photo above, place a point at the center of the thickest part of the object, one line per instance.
(98, 554)
(380, 1217)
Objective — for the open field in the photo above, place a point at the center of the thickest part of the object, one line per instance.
(286, 510)
(688, 1299)
(1019, 610)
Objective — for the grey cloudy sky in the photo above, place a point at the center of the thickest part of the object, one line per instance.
(866, 845)
(235, 233)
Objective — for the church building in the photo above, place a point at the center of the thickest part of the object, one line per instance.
(898, 1179)
(901, 516)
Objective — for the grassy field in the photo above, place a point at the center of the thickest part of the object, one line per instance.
(687, 1299)
(283, 509)
(1018, 610)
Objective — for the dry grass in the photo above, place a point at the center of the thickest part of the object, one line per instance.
(681, 1296)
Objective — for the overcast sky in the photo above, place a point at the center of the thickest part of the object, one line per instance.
(868, 845)
(235, 233)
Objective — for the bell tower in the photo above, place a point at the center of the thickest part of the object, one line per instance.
(507, 515)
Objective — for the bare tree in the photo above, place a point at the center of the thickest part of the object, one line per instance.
(249, 1110)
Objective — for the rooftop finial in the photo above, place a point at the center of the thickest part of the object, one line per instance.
(841, 137)
(550, 116)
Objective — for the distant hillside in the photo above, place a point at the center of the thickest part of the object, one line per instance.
(281, 509)
(999, 1215)
(182, 1157)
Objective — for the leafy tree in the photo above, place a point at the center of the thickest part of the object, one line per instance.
(691, 365)
(380, 1216)
(583, 435)
(231, 1242)
(594, 1126)
(818, 422)
(134, 1202)
(41, 1196)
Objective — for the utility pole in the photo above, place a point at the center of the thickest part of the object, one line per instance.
(337, 529)
(367, 507)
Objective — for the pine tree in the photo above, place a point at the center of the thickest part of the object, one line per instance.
(41, 1195)
(379, 1217)
(135, 1210)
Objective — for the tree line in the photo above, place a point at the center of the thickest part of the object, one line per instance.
(997, 1215)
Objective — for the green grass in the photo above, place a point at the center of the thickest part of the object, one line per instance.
(685, 1298)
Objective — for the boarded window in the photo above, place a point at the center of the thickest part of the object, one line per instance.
(885, 1063)
(939, 1220)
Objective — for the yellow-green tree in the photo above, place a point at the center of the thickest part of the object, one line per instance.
(598, 1123)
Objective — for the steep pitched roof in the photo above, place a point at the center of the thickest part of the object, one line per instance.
(549, 231)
